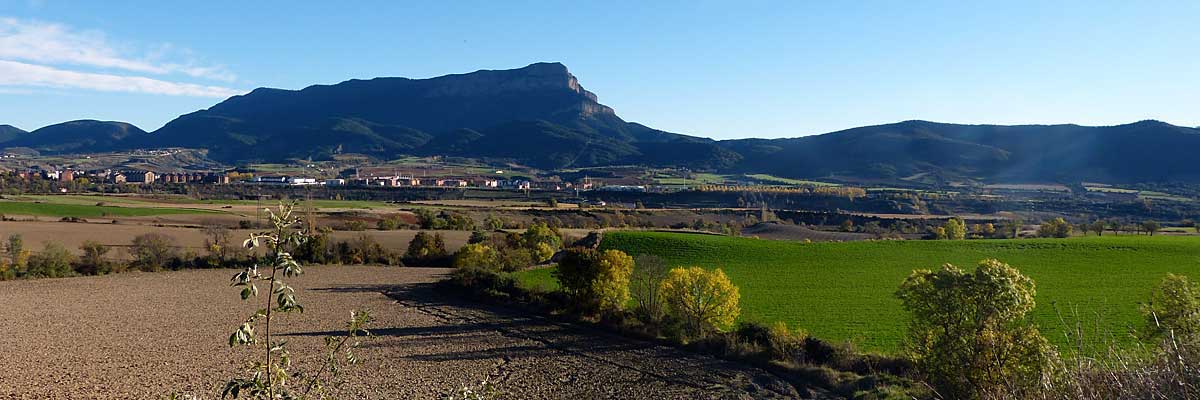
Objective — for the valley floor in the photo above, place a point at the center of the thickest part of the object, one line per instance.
(144, 335)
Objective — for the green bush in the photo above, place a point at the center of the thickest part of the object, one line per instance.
(426, 248)
(1174, 308)
(54, 261)
(477, 255)
(542, 234)
(597, 280)
(969, 333)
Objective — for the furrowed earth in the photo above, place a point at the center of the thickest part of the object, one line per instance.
(145, 335)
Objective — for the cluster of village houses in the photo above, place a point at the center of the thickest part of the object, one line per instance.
(146, 177)
(397, 181)
(131, 177)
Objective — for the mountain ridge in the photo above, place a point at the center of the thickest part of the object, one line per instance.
(540, 115)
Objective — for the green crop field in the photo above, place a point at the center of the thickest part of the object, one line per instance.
(844, 291)
(88, 211)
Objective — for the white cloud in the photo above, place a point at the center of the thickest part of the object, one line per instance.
(49, 43)
(13, 73)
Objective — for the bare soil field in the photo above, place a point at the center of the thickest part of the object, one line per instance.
(71, 235)
(143, 335)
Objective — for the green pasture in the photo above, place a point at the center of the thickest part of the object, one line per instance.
(844, 291)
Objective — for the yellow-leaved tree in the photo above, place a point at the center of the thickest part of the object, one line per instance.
(704, 300)
(477, 255)
(969, 333)
(611, 285)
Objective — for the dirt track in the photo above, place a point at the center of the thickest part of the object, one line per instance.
(143, 335)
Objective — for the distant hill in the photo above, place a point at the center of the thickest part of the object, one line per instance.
(1145, 151)
(541, 116)
(79, 136)
(10, 133)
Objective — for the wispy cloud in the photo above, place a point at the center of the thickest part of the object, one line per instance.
(23, 74)
(34, 53)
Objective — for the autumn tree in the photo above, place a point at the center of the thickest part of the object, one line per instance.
(704, 300)
(968, 331)
(542, 240)
(989, 230)
(1098, 227)
(426, 246)
(1055, 228)
(956, 229)
(477, 255)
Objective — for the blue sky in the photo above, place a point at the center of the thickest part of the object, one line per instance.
(716, 69)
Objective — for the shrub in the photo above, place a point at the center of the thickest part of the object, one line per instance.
(387, 224)
(54, 261)
(315, 250)
(1174, 308)
(152, 251)
(479, 237)
(366, 250)
(644, 287)
(426, 247)
(703, 300)
(93, 262)
(493, 222)
(785, 343)
(515, 259)
(18, 256)
(956, 229)
(460, 222)
(356, 226)
(576, 271)
(1056, 228)
(477, 255)
(219, 243)
(541, 234)
(542, 252)
(968, 333)
(596, 280)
